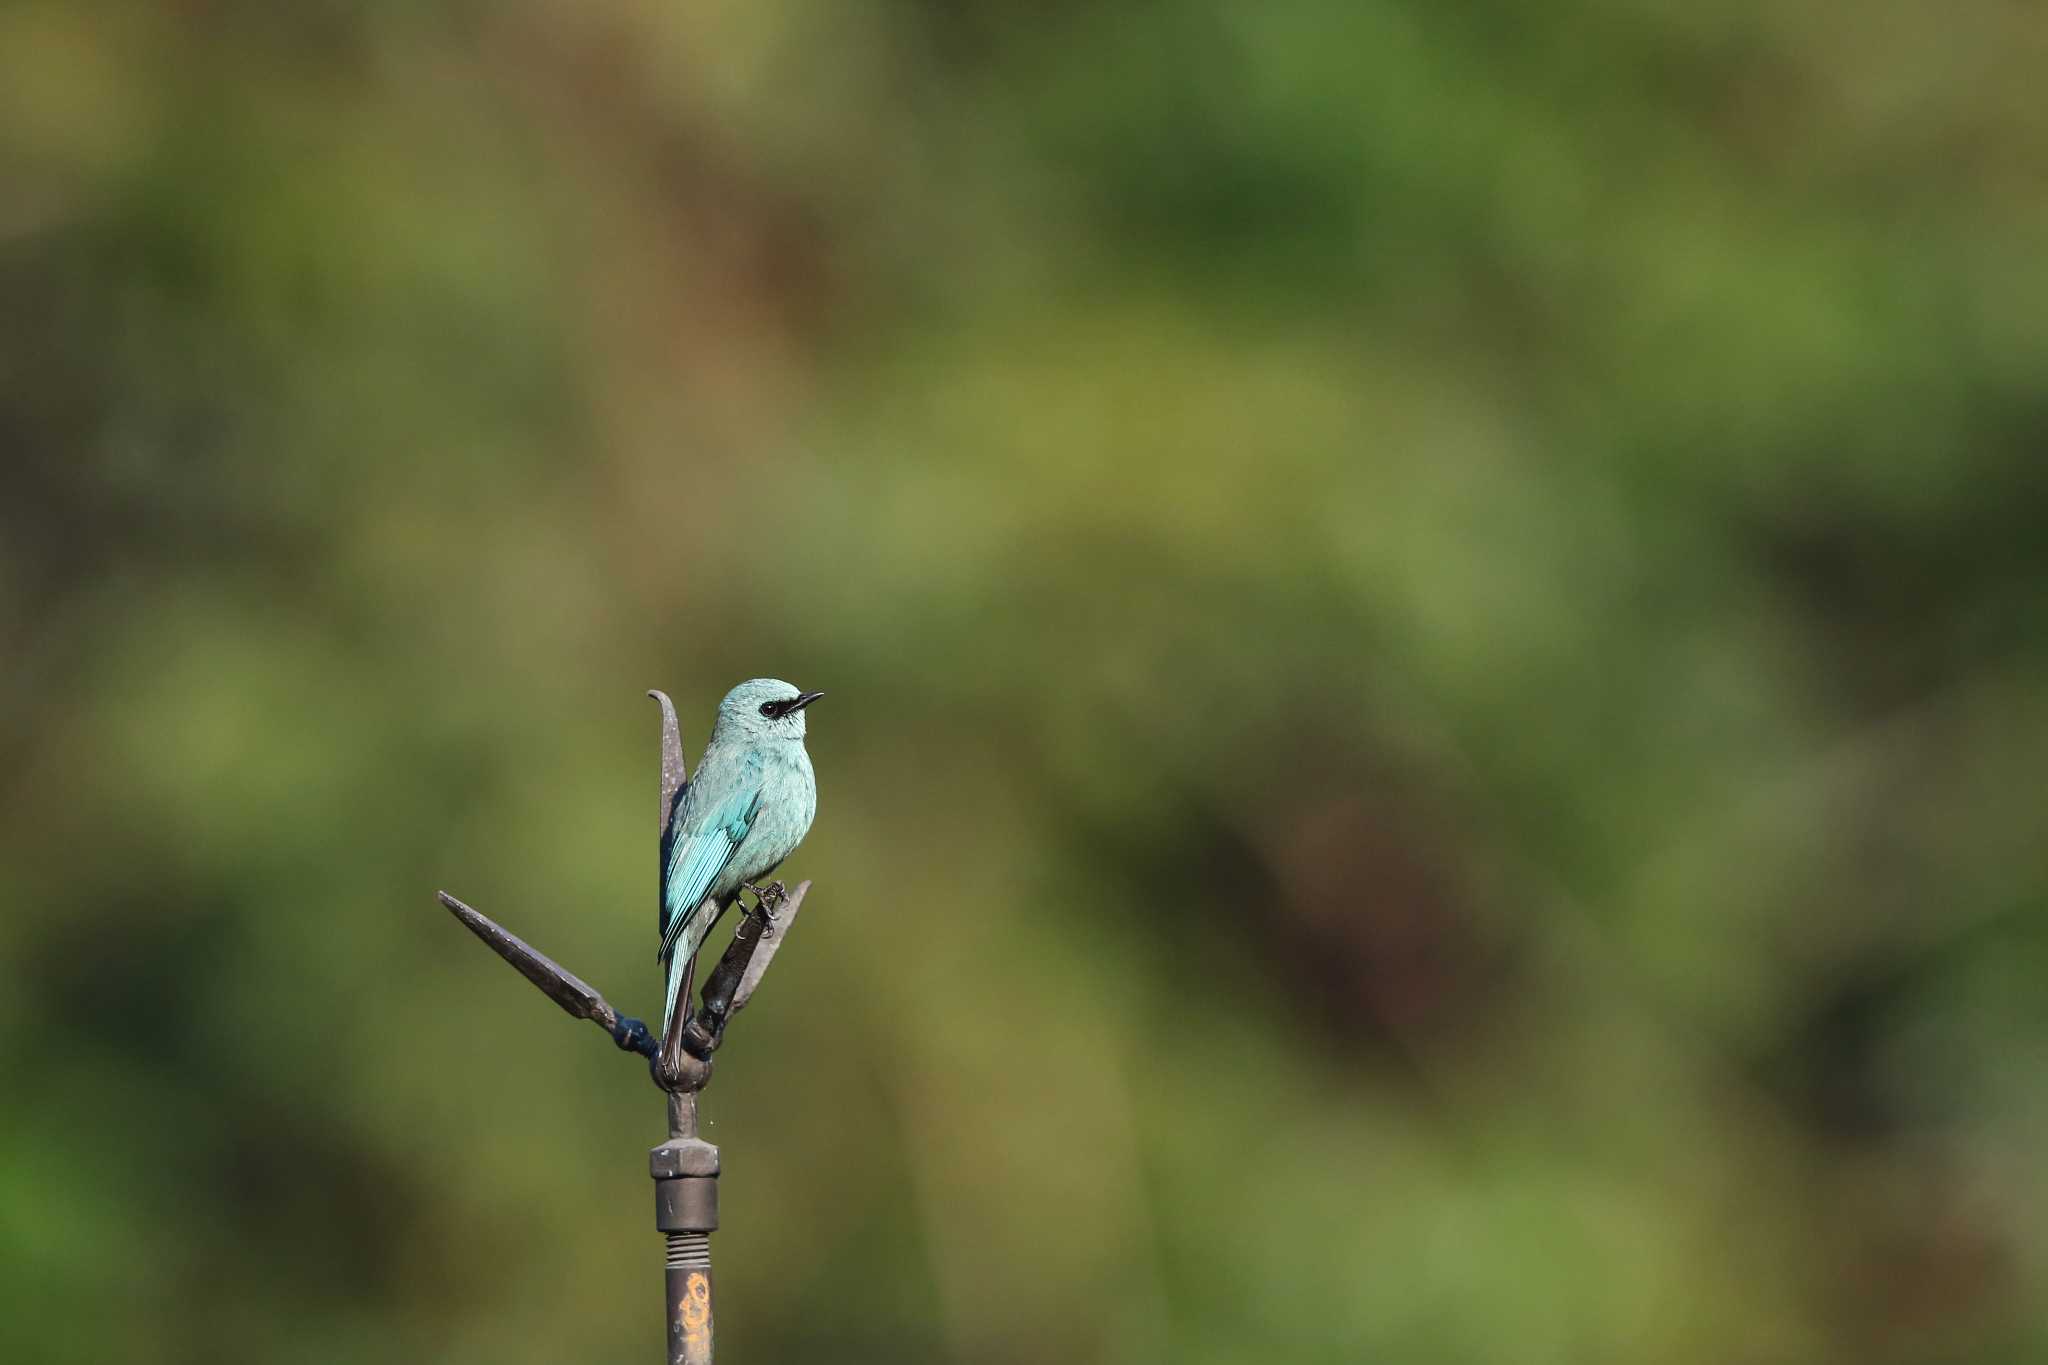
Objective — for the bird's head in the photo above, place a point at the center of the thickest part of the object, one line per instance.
(765, 708)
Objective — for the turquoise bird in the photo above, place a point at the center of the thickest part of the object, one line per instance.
(746, 809)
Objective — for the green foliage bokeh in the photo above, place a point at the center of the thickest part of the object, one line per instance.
(1435, 639)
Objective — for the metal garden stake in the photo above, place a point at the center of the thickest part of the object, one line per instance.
(685, 1168)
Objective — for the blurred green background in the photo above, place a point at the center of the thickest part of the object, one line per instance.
(1435, 632)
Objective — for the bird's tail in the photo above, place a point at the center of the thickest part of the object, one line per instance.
(688, 940)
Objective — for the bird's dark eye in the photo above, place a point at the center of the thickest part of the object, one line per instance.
(770, 709)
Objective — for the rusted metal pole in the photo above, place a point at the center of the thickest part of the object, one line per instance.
(685, 1168)
(685, 1171)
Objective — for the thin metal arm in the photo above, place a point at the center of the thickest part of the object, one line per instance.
(746, 958)
(674, 777)
(731, 985)
(726, 991)
(555, 981)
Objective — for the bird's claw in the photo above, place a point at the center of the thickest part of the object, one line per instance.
(767, 900)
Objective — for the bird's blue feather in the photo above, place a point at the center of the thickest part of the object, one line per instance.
(700, 855)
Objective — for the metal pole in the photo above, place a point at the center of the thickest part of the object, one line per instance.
(685, 1171)
(685, 1168)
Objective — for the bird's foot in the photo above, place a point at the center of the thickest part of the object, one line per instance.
(632, 1036)
(767, 900)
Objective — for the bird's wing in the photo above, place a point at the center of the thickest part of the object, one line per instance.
(699, 854)
(671, 836)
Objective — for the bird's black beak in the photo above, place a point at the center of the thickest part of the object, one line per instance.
(778, 709)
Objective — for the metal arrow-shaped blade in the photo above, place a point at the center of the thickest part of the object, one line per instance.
(556, 982)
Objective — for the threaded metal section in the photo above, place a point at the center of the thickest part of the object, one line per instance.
(689, 1251)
